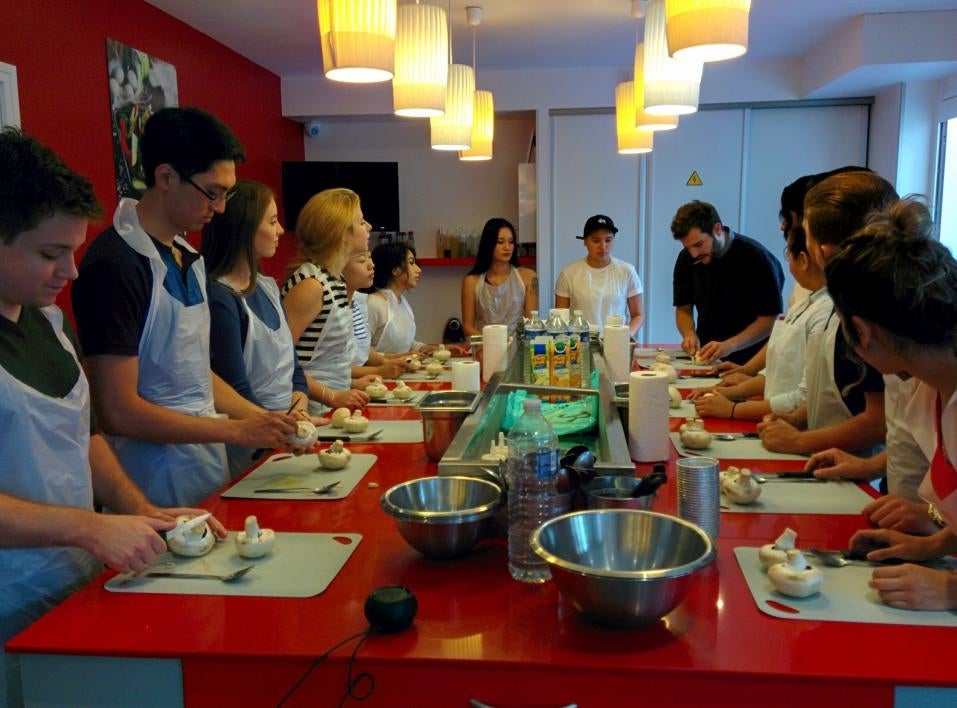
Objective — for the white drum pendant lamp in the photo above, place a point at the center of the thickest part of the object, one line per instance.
(643, 119)
(421, 61)
(453, 129)
(358, 39)
(631, 141)
(707, 30)
(671, 85)
(483, 128)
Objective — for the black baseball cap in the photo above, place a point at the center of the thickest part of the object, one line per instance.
(598, 222)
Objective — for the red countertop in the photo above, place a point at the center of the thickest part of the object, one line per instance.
(481, 635)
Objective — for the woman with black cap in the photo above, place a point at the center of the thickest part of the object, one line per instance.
(598, 284)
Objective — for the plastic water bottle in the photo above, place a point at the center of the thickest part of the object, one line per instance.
(532, 495)
(579, 326)
(534, 327)
(555, 327)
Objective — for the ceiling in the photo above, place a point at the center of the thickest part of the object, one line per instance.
(281, 35)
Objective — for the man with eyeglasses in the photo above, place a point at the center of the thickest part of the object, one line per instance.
(731, 281)
(140, 303)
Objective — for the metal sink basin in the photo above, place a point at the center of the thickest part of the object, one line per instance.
(463, 455)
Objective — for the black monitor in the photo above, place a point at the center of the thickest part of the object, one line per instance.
(376, 183)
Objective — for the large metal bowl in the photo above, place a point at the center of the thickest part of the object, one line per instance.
(442, 517)
(621, 567)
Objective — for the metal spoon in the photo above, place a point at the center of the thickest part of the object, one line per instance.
(224, 577)
(324, 489)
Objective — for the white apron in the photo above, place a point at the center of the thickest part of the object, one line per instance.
(825, 405)
(787, 345)
(173, 372)
(500, 304)
(398, 334)
(360, 324)
(45, 450)
(907, 441)
(270, 359)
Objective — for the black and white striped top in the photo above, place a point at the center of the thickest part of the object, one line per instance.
(327, 345)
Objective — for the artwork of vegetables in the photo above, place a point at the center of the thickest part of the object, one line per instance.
(140, 85)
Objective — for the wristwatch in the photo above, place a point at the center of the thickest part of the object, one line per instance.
(935, 516)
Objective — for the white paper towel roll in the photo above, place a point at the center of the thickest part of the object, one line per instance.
(648, 401)
(494, 349)
(617, 349)
(465, 376)
(613, 320)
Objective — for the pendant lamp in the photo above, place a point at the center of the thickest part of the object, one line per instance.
(643, 119)
(631, 141)
(483, 128)
(421, 61)
(707, 30)
(358, 39)
(453, 129)
(671, 85)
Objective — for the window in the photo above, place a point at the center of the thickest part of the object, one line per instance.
(946, 216)
(9, 97)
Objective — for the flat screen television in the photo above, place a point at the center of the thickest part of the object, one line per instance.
(376, 183)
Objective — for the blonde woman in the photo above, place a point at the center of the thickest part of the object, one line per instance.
(331, 230)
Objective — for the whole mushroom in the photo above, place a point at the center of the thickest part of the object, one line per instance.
(254, 542)
(676, 399)
(401, 391)
(306, 434)
(663, 357)
(193, 542)
(355, 423)
(377, 389)
(666, 369)
(339, 415)
(740, 487)
(433, 368)
(694, 435)
(777, 552)
(795, 577)
(442, 354)
(334, 457)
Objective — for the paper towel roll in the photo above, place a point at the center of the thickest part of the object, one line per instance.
(613, 320)
(494, 349)
(617, 349)
(648, 401)
(465, 376)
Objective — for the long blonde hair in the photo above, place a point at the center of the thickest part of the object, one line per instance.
(324, 229)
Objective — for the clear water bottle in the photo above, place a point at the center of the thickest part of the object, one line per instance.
(579, 327)
(555, 327)
(534, 327)
(533, 497)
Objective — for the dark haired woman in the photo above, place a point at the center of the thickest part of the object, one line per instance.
(251, 347)
(895, 291)
(497, 290)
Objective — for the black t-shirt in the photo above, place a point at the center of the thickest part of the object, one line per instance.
(31, 352)
(111, 296)
(730, 292)
(850, 370)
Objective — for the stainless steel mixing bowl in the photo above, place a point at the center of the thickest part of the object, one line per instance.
(442, 517)
(622, 567)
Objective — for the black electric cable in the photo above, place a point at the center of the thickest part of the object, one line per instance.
(350, 684)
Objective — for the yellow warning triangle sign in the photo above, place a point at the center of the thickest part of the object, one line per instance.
(694, 180)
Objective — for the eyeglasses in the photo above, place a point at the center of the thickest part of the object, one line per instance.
(224, 196)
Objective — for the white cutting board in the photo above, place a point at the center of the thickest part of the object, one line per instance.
(844, 597)
(832, 497)
(738, 449)
(300, 565)
(390, 400)
(393, 431)
(302, 471)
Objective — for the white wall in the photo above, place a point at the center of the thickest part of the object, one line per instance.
(435, 189)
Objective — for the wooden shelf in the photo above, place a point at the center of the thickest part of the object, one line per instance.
(442, 262)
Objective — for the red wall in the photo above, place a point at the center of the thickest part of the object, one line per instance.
(59, 49)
